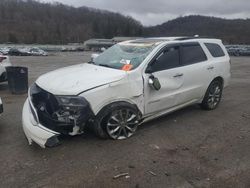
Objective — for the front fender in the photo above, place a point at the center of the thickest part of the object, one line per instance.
(120, 91)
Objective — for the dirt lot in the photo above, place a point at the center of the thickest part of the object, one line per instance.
(189, 148)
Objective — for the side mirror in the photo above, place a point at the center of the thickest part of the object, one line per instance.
(93, 56)
(154, 83)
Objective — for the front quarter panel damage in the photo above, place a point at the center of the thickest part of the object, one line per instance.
(129, 89)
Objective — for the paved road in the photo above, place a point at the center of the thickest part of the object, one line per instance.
(189, 148)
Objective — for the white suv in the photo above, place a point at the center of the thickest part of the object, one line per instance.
(128, 84)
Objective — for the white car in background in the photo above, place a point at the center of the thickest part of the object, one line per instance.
(4, 62)
(1, 106)
(126, 85)
(37, 52)
(5, 50)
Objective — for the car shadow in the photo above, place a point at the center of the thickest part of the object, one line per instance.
(90, 137)
(172, 116)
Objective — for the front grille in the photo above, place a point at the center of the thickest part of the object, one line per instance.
(46, 105)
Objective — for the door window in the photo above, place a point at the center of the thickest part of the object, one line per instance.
(168, 59)
(192, 53)
(215, 50)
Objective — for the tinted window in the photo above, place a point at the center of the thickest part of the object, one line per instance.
(192, 53)
(166, 60)
(215, 50)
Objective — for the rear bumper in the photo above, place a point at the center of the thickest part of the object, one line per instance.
(227, 80)
(35, 132)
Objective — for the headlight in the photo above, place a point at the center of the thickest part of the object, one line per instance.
(69, 102)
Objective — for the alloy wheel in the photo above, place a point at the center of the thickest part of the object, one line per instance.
(122, 124)
(214, 96)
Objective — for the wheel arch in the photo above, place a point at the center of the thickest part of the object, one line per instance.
(219, 78)
(115, 104)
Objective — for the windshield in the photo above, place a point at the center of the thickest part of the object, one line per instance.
(124, 56)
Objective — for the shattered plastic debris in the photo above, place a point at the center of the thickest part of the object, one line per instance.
(121, 175)
(152, 173)
(154, 146)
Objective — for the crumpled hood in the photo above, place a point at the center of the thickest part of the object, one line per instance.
(76, 79)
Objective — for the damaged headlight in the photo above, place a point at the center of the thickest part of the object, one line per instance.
(72, 109)
(72, 102)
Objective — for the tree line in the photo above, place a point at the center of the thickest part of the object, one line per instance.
(30, 21)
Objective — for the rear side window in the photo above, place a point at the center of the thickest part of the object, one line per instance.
(167, 60)
(215, 50)
(192, 53)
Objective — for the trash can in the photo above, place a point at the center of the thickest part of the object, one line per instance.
(17, 79)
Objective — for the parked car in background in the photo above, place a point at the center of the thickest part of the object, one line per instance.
(233, 51)
(5, 50)
(245, 51)
(37, 52)
(18, 52)
(1, 106)
(130, 83)
(4, 62)
(238, 50)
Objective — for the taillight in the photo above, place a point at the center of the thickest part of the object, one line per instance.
(2, 58)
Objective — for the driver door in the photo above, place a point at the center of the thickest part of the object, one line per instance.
(166, 68)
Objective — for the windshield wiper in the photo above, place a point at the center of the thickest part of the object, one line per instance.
(105, 65)
(91, 62)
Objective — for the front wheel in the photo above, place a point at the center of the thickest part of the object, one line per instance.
(117, 122)
(122, 124)
(213, 96)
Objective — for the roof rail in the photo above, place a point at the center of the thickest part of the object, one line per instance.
(188, 38)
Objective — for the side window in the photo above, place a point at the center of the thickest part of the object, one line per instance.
(168, 59)
(192, 53)
(215, 50)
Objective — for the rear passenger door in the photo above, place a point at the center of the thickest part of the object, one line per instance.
(195, 69)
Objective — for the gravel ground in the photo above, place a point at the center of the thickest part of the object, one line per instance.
(188, 148)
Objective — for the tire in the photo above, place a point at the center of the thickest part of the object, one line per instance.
(213, 95)
(117, 121)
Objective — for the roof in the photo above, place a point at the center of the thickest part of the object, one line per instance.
(121, 39)
(159, 40)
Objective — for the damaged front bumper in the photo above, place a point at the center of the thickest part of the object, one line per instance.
(46, 116)
(36, 132)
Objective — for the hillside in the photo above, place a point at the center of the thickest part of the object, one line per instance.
(231, 31)
(33, 22)
(29, 21)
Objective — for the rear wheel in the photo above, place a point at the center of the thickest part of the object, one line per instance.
(213, 96)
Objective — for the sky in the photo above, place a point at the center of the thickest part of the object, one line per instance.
(153, 12)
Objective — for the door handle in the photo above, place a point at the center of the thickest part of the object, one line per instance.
(178, 75)
(210, 68)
